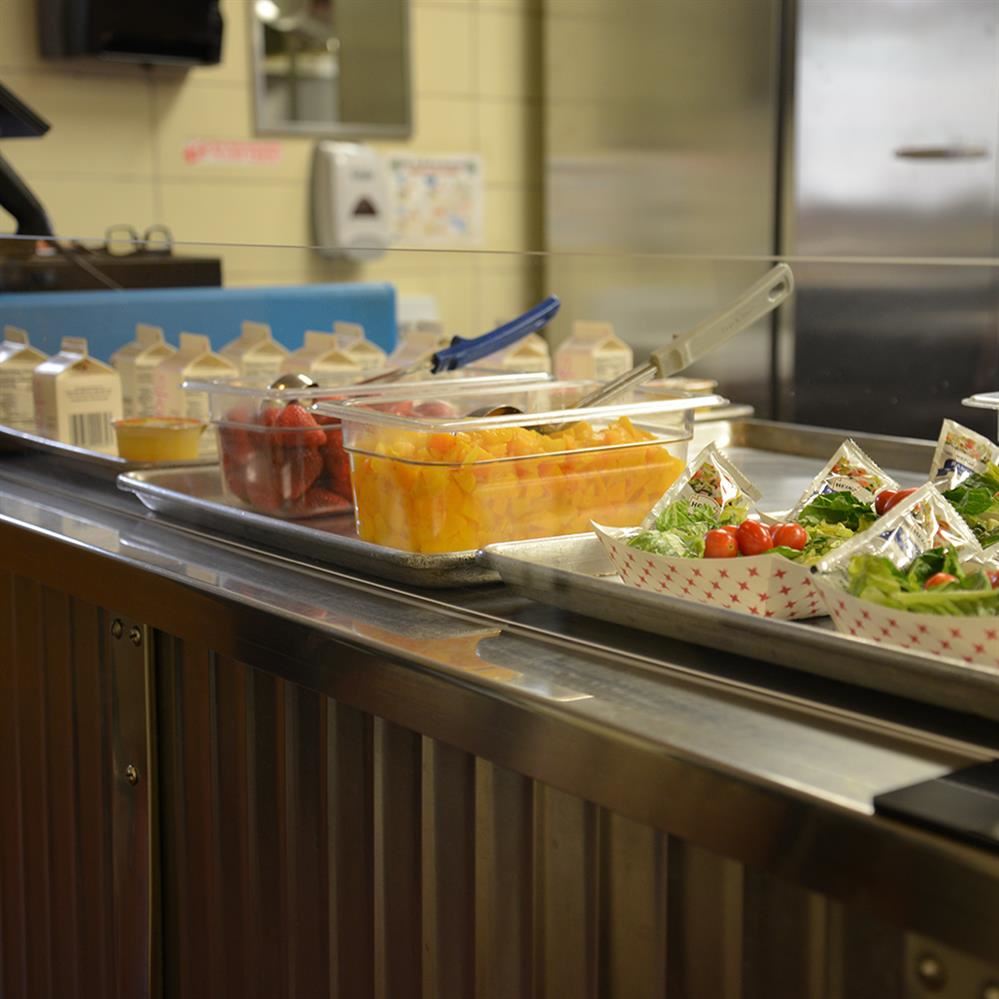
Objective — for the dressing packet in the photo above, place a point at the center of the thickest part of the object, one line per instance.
(710, 480)
(960, 453)
(848, 470)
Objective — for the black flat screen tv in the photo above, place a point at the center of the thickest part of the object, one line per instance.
(184, 32)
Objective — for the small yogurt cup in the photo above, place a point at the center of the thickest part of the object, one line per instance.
(158, 438)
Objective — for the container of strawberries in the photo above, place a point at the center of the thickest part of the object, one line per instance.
(280, 457)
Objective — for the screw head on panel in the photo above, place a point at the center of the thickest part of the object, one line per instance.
(117, 627)
(931, 972)
(135, 636)
(132, 774)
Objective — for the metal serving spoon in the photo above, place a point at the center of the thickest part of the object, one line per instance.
(753, 304)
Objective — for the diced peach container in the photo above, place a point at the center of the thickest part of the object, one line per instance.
(762, 585)
(456, 484)
(963, 639)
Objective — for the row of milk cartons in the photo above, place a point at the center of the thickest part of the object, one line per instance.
(74, 397)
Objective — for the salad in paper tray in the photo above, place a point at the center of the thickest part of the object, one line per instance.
(705, 541)
(919, 580)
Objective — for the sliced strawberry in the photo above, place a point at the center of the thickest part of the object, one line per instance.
(319, 500)
(337, 462)
(235, 475)
(297, 470)
(296, 417)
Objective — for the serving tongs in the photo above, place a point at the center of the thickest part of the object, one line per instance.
(685, 348)
(462, 351)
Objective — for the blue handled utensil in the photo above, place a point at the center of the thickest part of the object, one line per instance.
(462, 351)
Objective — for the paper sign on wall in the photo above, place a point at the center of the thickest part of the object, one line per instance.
(232, 152)
(438, 200)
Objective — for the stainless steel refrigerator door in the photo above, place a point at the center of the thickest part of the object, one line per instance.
(661, 124)
(894, 137)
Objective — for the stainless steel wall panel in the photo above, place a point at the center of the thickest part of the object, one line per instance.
(448, 872)
(632, 921)
(566, 871)
(398, 846)
(504, 883)
(57, 872)
(705, 917)
(350, 860)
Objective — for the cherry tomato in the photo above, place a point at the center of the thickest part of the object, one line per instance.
(790, 536)
(883, 500)
(718, 543)
(939, 579)
(754, 538)
(898, 497)
(993, 578)
(732, 529)
(773, 529)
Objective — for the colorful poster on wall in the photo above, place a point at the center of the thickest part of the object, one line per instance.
(438, 200)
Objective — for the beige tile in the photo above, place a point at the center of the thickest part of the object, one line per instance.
(441, 125)
(508, 286)
(198, 110)
(99, 127)
(84, 207)
(229, 212)
(512, 218)
(510, 140)
(508, 53)
(442, 60)
(19, 36)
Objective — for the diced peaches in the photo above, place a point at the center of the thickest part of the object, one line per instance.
(439, 492)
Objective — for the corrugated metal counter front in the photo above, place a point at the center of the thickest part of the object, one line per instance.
(305, 780)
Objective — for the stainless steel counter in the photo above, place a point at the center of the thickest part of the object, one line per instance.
(772, 769)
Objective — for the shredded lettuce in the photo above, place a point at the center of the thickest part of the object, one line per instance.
(977, 500)
(841, 508)
(875, 578)
(681, 527)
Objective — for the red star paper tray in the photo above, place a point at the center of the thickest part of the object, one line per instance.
(763, 585)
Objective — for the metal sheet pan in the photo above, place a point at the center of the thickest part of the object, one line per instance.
(574, 573)
(95, 463)
(193, 496)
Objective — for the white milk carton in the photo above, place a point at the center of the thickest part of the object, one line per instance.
(77, 397)
(18, 360)
(530, 354)
(350, 338)
(323, 360)
(417, 341)
(255, 352)
(136, 362)
(593, 351)
(194, 360)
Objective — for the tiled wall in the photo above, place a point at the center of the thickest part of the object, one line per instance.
(114, 154)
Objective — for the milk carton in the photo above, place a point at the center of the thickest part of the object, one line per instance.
(255, 353)
(77, 397)
(417, 341)
(323, 360)
(530, 354)
(350, 338)
(136, 362)
(18, 360)
(593, 351)
(194, 360)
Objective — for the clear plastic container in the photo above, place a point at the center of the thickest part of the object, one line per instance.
(279, 456)
(453, 483)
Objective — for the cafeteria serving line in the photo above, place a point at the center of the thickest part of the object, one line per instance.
(499, 499)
